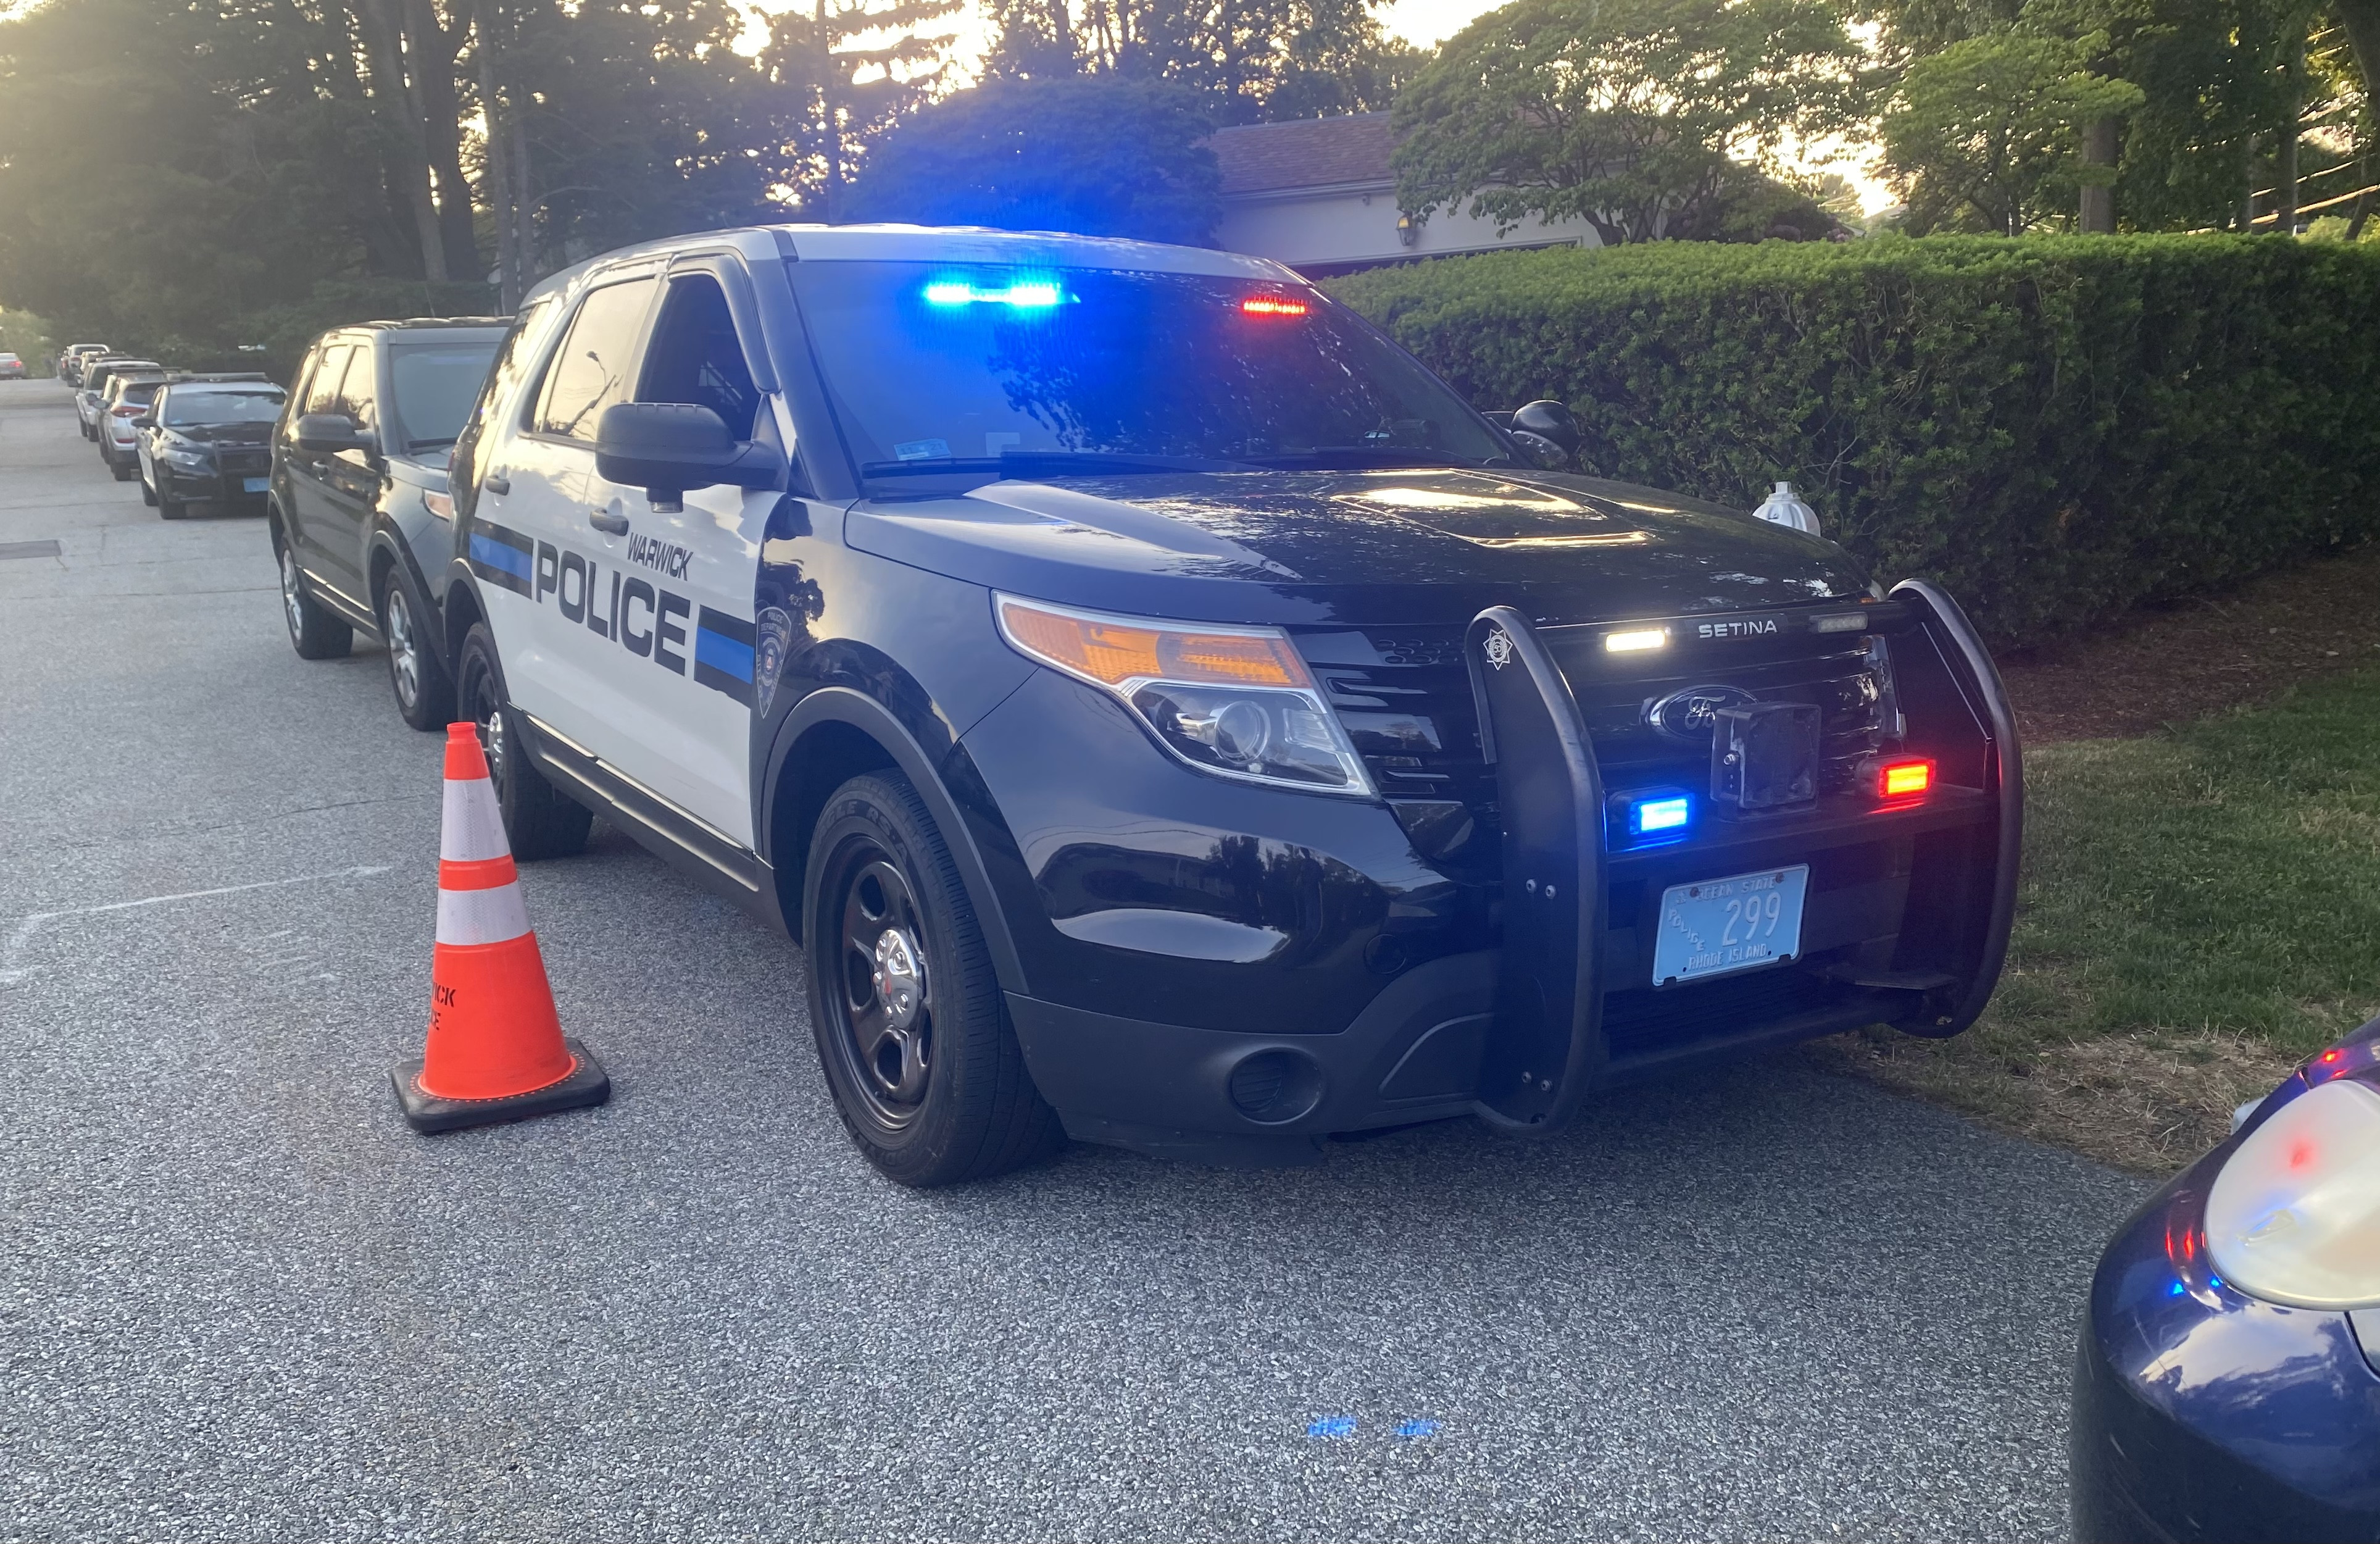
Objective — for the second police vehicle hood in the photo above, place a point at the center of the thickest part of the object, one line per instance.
(1407, 546)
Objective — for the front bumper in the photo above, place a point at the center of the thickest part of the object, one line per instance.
(2202, 1414)
(1218, 969)
(225, 487)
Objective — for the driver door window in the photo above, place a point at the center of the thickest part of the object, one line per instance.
(694, 356)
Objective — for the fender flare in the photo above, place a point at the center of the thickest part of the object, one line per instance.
(384, 536)
(844, 705)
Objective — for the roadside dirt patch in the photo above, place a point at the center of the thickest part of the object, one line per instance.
(2169, 666)
(2150, 1099)
(2145, 1102)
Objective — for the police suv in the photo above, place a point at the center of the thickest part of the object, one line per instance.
(1169, 715)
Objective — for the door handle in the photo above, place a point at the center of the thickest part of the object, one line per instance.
(497, 482)
(605, 521)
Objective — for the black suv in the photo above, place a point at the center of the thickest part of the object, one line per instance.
(1165, 710)
(206, 437)
(360, 492)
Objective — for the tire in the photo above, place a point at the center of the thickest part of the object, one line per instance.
(123, 471)
(148, 495)
(540, 821)
(942, 1096)
(315, 633)
(424, 692)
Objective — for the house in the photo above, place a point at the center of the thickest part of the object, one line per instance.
(1317, 194)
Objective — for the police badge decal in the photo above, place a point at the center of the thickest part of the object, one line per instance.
(1499, 648)
(774, 628)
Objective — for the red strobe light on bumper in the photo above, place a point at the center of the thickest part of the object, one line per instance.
(1904, 780)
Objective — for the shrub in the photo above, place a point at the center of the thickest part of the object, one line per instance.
(2055, 428)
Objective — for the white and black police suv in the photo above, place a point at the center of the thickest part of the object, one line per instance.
(1170, 716)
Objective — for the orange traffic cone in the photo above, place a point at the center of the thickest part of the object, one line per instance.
(495, 1050)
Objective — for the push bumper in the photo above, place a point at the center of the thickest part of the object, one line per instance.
(1906, 922)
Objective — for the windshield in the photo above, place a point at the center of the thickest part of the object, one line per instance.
(257, 403)
(436, 386)
(141, 392)
(998, 371)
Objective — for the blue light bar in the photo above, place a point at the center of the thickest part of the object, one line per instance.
(1024, 294)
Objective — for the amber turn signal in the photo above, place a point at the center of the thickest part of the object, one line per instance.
(1114, 650)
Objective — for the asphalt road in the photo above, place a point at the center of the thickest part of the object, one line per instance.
(240, 1300)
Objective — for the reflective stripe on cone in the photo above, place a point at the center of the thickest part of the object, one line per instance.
(494, 1033)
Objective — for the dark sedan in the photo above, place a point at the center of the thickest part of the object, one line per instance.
(208, 437)
(2228, 1385)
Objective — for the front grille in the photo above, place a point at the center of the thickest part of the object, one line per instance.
(1404, 696)
(244, 463)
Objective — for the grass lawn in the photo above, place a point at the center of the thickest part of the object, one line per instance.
(2201, 909)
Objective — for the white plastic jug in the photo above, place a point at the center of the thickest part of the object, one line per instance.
(1781, 508)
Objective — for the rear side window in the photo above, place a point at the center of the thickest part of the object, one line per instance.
(590, 371)
(434, 385)
(694, 356)
(496, 395)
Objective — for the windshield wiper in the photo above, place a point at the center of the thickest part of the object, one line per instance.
(1356, 457)
(427, 444)
(1009, 463)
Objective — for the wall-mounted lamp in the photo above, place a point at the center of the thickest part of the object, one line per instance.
(1408, 230)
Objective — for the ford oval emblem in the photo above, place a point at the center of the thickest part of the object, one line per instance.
(1686, 715)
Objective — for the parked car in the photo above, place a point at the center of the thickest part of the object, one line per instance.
(11, 367)
(209, 437)
(2228, 1382)
(95, 372)
(71, 358)
(1168, 713)
(359, 485)
(121, 404)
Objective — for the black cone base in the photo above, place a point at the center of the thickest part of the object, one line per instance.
(427, 1113)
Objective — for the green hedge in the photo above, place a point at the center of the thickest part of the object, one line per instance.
(2055, 428)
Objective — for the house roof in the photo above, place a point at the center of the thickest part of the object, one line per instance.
(1304, 153)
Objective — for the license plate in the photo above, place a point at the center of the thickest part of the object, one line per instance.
(255, 484)
(1720, 926)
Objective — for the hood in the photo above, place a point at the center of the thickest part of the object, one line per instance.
(225, 433)
(1357, 547)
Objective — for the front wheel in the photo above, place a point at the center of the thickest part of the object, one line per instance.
(315, 633)
(911, 1029)
(425, 694)
(540, 821)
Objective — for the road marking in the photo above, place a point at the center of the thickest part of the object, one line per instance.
(28, 548)
(31, 924)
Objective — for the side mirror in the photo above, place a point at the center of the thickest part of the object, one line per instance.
(1551, 420)
(144, 422)
(1543, 453)
(329, 433)
(668, 447)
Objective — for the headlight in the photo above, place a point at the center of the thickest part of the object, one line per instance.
(1236, 701)
(2295, 1214)
(189, 458)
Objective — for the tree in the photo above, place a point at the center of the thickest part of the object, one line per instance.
(1636, 116)
(835, 114)
(1982, 135)
(1246, 60)
(1102, 157)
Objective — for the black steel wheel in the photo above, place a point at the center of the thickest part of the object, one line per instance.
(539, 820)
(425, 693)
(912, 1032)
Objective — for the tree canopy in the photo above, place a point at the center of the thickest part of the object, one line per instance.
(1101, 155)
(1643, 117)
